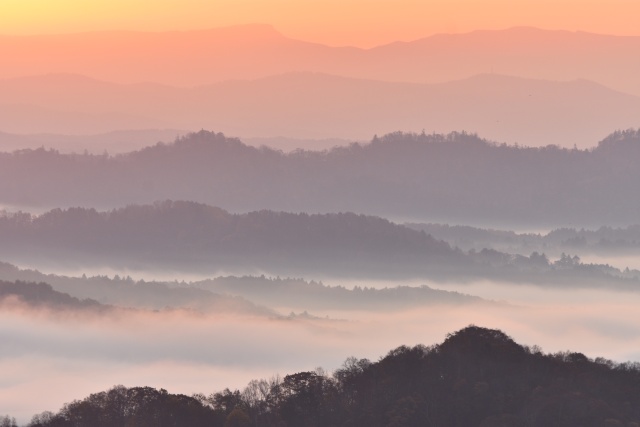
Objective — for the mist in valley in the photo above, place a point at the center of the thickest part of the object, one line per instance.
(205, 350)
(194, 210)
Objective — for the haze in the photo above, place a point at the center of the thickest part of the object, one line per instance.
(194, 195)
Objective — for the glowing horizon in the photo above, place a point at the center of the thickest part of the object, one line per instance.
(361, 23)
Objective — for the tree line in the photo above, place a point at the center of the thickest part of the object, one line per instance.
(476, 377)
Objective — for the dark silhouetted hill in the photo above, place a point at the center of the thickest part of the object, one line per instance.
(476, 377)
(121, 406)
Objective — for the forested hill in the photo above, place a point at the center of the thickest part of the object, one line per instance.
(234, 293)
(180, 236)
(603, 240)
(43, 295)
(187, 236)
(476, 377)
(447, 178)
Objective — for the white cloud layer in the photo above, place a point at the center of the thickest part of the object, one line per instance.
(49, 358)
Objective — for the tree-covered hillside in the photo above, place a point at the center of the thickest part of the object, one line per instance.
(456, 177)
(476, 377)
(191, 236)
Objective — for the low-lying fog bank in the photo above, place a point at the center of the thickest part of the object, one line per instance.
(76, 353)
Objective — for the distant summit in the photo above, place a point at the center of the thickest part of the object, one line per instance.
(189, 58)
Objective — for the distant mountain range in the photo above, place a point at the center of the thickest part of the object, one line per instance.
(455, 178)
(311, 105)
(520, 85)
(188, 58)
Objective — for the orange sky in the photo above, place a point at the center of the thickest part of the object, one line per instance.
(336, 22)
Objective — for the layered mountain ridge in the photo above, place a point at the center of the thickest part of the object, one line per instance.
(187, 58)
(425, 177)
(302, 105)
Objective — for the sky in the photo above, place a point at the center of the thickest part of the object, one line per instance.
(362, 23)
(77, 355)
